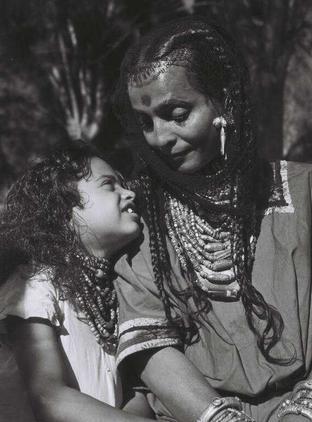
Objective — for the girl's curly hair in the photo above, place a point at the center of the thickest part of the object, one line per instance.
(35, 223)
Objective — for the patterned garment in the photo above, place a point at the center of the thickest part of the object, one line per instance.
(227, 353)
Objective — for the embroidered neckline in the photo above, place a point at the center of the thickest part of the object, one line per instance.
(280, 200)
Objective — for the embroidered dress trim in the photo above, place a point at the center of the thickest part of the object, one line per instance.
(142, 322)
(145, 333)
(145, 345)
(281, 201)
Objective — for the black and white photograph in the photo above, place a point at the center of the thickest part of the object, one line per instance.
(155, 210)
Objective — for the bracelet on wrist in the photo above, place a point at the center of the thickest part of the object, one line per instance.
(291, 408)
(232, 415)
(302, 394)
(303, 385)
(300, 402)
(224, 409)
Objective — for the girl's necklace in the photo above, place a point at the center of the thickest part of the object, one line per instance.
(97, 299)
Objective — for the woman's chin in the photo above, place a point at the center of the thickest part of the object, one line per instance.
(195, 162)
(191, 166)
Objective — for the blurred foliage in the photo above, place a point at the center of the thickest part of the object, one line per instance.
(60, 60)
(59, 64)
(269, 32)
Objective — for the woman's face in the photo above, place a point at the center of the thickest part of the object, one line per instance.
(108, 220)
(176, 120)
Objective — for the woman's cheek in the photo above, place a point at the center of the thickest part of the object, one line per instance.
(198, 135)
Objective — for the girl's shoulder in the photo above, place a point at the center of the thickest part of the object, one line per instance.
(28, 293)
(28, 277)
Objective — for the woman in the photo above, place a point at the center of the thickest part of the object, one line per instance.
(219, 296)
(66, 221)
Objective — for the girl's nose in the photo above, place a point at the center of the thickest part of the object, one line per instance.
(128, 194)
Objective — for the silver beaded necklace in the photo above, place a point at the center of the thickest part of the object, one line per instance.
(206, 249)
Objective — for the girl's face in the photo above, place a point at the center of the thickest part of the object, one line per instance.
(108, 220)
(176, 120)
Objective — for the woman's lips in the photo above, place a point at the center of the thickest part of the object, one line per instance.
(178, 156)
(174, 159)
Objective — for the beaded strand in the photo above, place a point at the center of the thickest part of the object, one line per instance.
(97, 299)
(207, 249)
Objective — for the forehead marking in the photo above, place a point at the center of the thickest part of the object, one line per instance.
(146, 100)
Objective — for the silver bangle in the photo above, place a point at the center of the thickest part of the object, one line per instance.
(217, 405)
(232, 415)
(229, 415)
(241, 416)
(300, 402)
(223, 416)
(304, 393)
(290, 408)
(303, 385)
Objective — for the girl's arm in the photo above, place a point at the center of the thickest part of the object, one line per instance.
(53, 395)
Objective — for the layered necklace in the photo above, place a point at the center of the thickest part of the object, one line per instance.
(202, 248)
(96, 298)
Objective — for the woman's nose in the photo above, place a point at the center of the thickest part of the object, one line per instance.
(162, 136)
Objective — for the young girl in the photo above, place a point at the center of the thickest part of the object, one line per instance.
(65, 223)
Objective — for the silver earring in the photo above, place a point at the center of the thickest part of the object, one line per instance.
(220, 123)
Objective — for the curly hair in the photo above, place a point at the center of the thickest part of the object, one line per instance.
(35, 223)
(215, 68)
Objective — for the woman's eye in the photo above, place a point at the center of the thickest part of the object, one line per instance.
(180, 115)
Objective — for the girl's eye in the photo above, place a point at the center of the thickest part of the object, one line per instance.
(107, 184)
